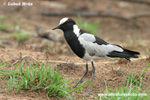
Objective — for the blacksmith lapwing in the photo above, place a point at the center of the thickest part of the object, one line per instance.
(90, 47)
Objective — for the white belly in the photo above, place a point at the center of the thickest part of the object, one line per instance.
(87, 57)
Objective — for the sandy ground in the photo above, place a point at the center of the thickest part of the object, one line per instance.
(73, 68)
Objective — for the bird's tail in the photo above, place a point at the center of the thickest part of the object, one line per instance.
(127, 54)
(132, 54)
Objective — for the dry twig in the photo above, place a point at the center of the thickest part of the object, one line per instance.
(97, 14)
(136, 1)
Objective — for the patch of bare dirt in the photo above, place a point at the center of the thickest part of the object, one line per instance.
(113, 71)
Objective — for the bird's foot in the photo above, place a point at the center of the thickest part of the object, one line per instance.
(76, 83)
(87, 92)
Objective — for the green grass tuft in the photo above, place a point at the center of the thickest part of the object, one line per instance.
(148, 51)
(89, 26)
(19, 36)
(3, 25)
(132, 86)
(36, 78)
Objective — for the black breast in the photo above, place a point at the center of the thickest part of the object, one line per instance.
(74, 44)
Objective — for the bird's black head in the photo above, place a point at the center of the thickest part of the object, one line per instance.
(65, 24)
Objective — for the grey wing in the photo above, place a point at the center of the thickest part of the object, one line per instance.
(97, 46)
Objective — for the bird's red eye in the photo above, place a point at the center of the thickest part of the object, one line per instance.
(66, 23)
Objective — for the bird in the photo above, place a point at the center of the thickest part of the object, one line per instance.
(90, 47)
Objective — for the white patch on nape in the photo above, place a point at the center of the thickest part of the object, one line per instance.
(63, 20)
(76, 30)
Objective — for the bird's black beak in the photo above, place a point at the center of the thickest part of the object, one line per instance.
(57, 27)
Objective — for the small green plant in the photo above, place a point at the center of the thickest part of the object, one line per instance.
(19, 36)
(133, 78)
(36, 78)
(136, 79)
(3, 25)
(148, 51)
(89, 26)
(130, 90)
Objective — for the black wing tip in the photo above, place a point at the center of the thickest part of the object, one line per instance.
(127, 54)
(136, 53)
(132, 52)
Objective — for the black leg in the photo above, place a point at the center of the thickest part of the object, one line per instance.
(93, 72)
(76, 83)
